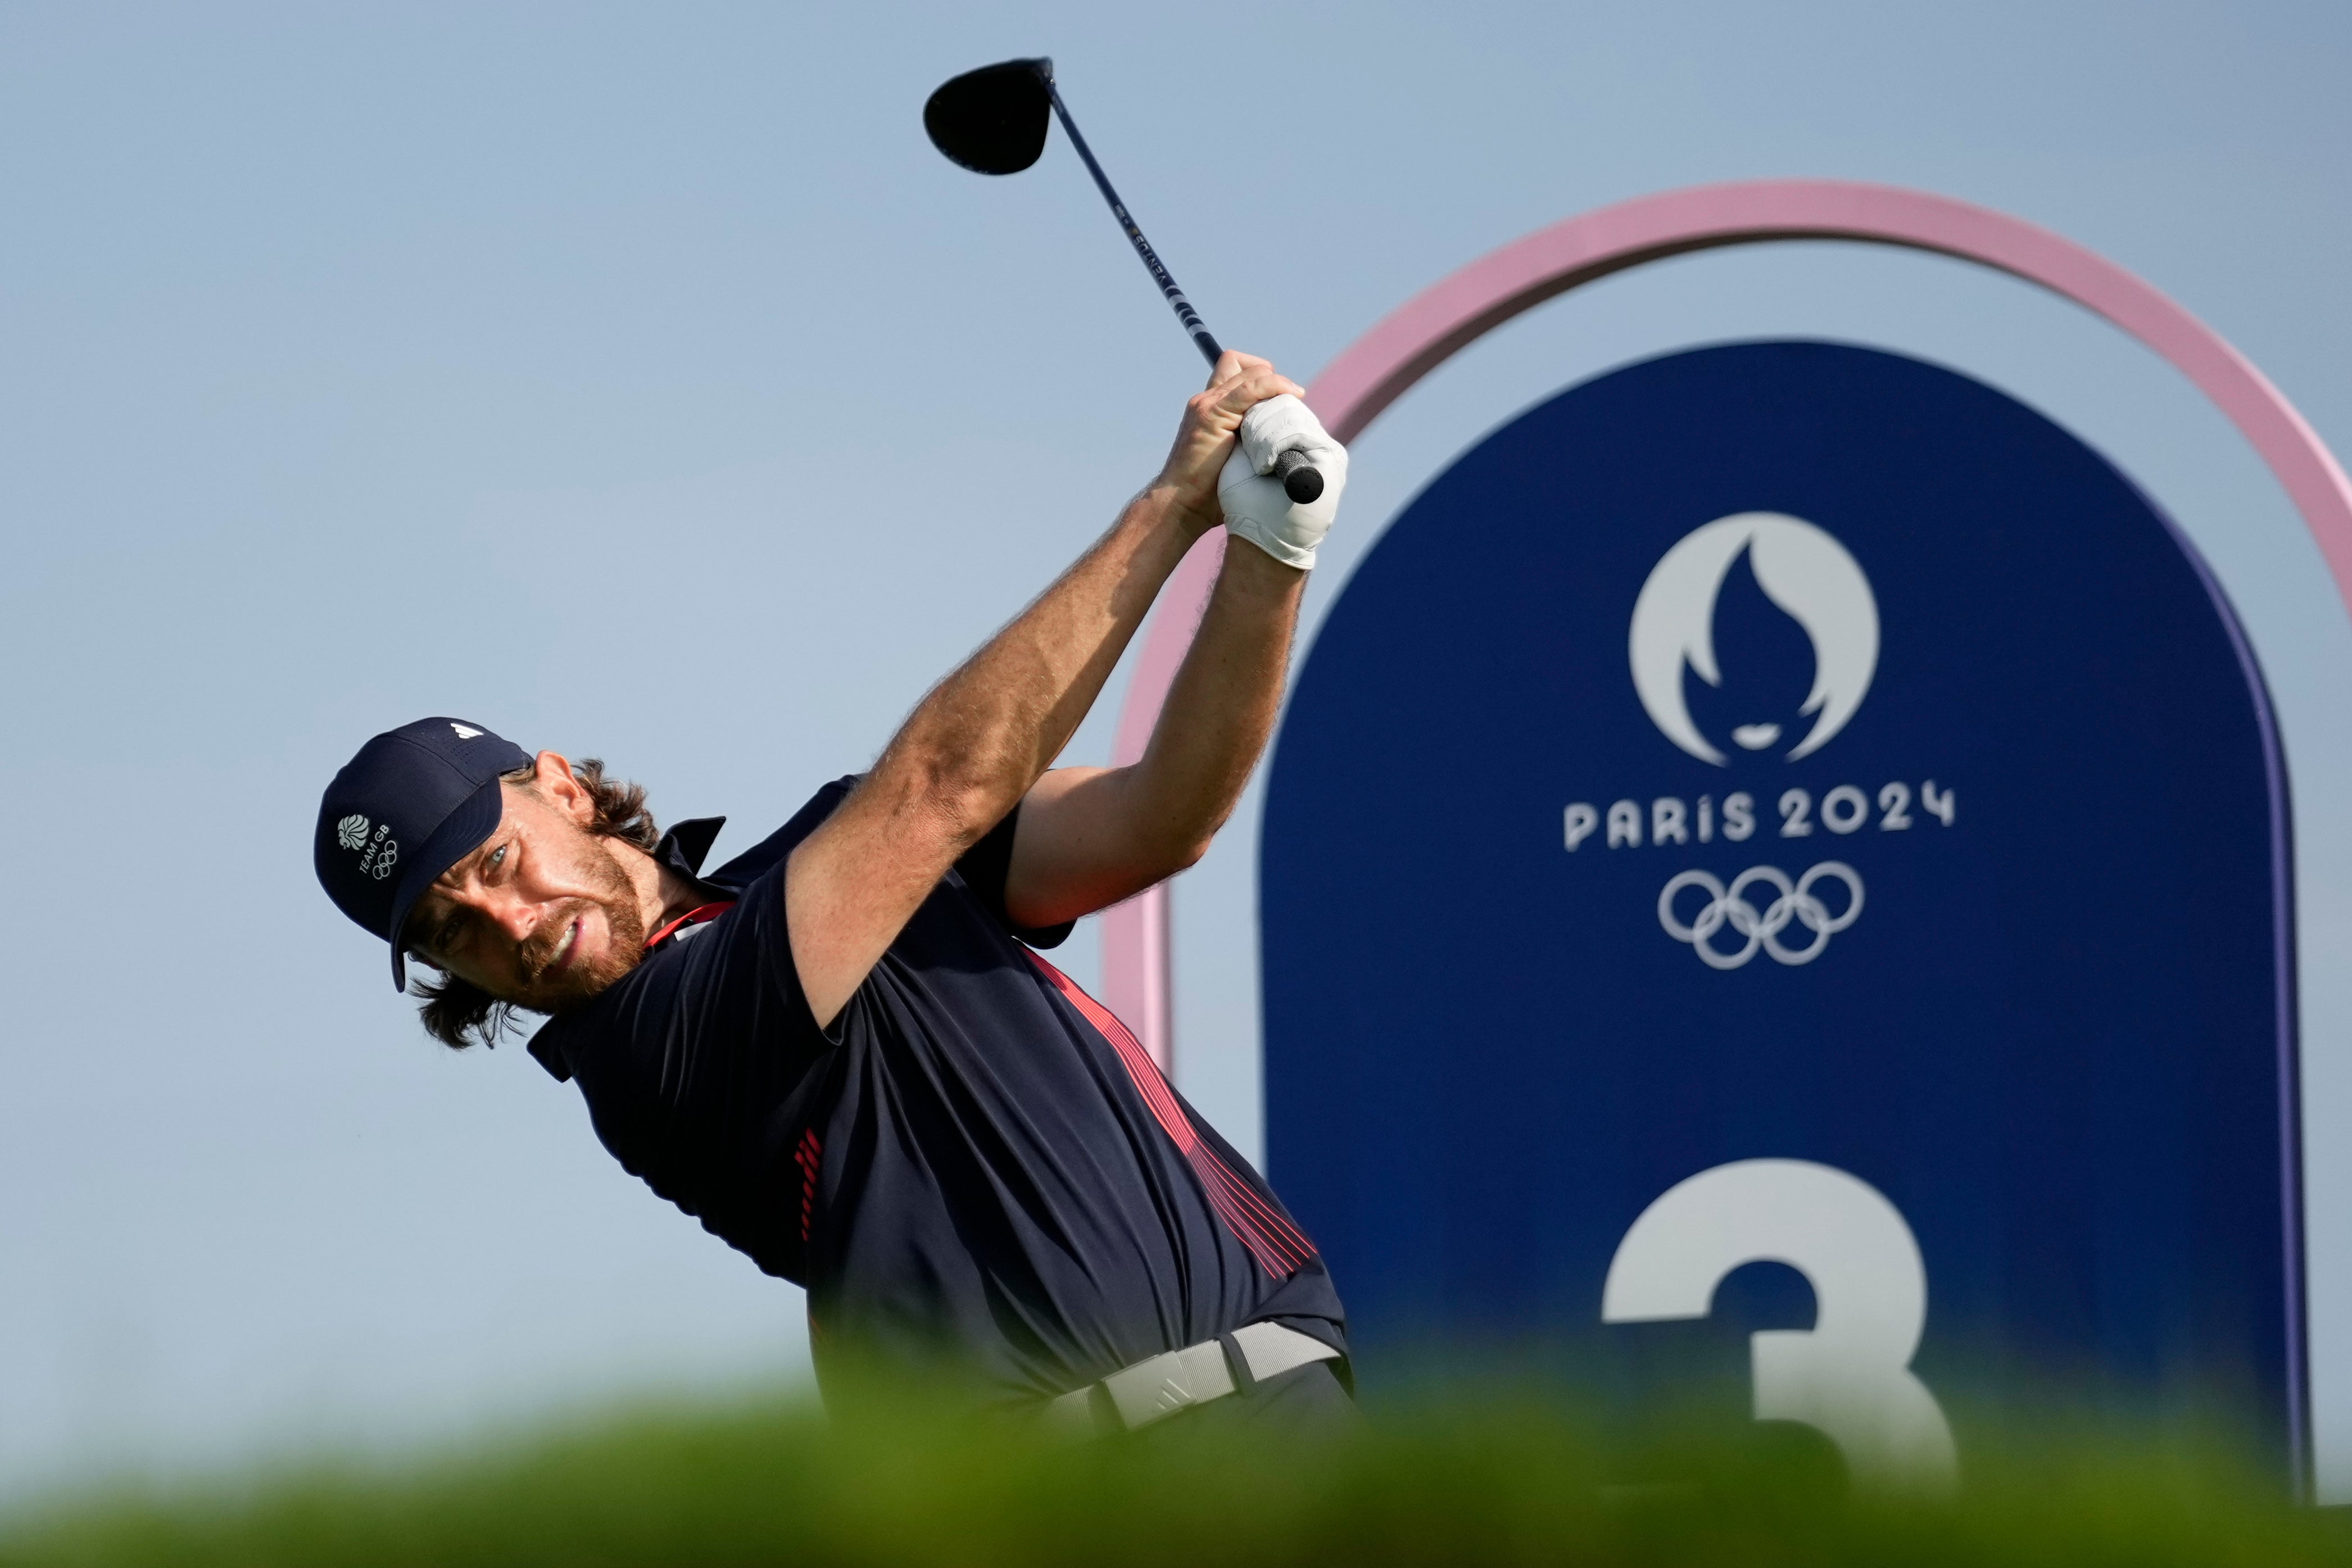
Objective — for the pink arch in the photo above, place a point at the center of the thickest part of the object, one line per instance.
(1414, 340)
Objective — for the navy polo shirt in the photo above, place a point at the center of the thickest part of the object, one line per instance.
(974, 1165)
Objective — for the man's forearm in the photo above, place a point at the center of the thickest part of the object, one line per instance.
(980, 738)
(977, 742)
(969, 750)
(1221, 709)
(1091, 837)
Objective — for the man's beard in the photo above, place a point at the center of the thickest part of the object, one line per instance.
(616, 897)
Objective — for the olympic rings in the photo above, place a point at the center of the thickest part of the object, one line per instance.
(1729, 907)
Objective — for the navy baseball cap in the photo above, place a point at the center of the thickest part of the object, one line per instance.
(413, 803)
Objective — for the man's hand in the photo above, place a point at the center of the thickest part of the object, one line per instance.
(1206, 438)
(1254, 504)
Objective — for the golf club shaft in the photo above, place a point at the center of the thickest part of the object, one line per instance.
(1201, 337)
(1300, 480)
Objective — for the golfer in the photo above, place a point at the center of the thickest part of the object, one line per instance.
(842, 1052)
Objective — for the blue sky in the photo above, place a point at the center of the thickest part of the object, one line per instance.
(638, 382)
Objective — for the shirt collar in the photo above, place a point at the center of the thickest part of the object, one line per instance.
(688, 844)
(683, 849)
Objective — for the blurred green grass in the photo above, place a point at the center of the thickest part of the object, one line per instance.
(1503, 1478)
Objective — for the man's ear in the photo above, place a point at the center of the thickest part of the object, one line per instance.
(551, 777)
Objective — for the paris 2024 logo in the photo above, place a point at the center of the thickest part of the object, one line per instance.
(1804, 573)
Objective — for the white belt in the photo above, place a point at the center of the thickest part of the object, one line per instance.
(1158, 1387)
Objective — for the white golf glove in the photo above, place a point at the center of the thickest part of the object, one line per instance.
(1255, 508)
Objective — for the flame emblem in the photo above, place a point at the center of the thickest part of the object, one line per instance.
(1803, 571)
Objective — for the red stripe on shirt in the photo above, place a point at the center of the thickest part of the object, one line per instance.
(809, 1156)
(1272, 1241)
(695, 916)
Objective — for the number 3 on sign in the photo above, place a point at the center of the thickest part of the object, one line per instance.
(1850, 1374)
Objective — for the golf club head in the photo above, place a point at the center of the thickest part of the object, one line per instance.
(992, 121)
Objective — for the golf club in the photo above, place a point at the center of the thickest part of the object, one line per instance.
(993, 120)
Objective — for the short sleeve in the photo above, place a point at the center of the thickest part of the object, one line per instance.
(984, 867)
(697, 1062)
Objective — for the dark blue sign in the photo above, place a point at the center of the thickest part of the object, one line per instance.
(1790, 805)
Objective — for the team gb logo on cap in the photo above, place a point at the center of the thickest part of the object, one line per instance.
(378, 855)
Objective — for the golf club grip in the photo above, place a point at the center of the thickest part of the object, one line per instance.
(1302, 481)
